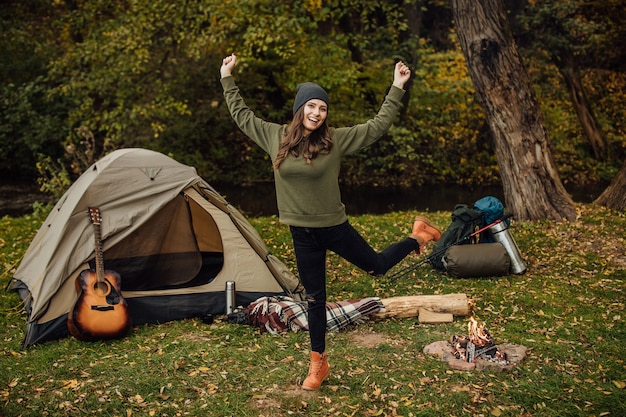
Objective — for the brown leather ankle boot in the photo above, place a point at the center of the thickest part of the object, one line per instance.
(424, 231)
(318, 371)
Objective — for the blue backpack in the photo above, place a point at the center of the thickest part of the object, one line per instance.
(492, 210)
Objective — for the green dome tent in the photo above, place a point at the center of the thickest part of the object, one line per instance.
(171, 237)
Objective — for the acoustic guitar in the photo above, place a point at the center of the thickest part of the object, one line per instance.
(100, 311)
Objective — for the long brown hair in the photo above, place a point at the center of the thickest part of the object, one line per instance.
(294, 141)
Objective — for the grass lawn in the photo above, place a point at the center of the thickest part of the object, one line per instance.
(567, 309)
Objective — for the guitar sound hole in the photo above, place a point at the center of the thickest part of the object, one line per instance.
(102, 289)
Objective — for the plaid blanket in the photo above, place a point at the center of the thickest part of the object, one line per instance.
(283, 314)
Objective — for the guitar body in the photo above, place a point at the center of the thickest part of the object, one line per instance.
(100, 311)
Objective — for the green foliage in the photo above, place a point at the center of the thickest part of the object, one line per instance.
(53, 177)
(117, 66)
(146, 74)
(571, 148)
(567, 309)
(607, 89)
(441, 139)
(30, 124)
(586, 38)
(591, 31)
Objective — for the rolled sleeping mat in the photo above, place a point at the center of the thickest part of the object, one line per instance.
(477, 260)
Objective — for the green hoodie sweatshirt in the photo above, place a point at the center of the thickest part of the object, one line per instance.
(308, 195)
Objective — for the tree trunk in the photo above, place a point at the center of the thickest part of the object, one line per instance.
(614, 197)
(531, 183)
(566, 65)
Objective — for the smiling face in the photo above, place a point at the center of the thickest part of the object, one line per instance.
(315, 112)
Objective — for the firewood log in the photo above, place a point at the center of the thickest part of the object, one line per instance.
(409, 306)
(430, 317)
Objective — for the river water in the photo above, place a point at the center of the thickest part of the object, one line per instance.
(16, 199)
(261, 200)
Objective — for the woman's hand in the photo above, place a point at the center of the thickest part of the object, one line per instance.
(228, 64)
(401, 75)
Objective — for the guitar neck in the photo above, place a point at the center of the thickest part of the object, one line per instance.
(99, 255)
(94, 213)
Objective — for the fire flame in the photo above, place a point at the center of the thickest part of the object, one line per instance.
(477, 342)
(478, 335)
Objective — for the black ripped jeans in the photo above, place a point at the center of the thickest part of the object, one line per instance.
(311, 244)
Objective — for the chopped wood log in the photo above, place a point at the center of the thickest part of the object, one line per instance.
(430, 317)
(408, 306)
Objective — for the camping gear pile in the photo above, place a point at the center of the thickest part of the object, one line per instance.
(171, 237)
(477, 243)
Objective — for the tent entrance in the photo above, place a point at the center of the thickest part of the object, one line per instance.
(165, 253)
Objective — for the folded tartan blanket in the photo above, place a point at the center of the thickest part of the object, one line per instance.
(282, 314)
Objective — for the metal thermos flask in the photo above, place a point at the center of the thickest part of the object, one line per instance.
(230, 297)
(500, 232)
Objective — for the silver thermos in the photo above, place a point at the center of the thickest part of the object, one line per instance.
(230, 297)
(500, 232)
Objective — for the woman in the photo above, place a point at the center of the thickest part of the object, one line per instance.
(306, 156)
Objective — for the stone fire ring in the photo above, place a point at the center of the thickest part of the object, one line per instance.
(444, 351)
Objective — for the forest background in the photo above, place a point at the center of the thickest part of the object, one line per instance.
(84, 77)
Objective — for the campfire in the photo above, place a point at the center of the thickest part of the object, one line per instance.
(477, 351)
(477, 344)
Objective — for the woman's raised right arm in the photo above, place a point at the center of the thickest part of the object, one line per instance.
(265, 134)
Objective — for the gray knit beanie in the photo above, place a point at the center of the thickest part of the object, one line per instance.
(308, 91)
